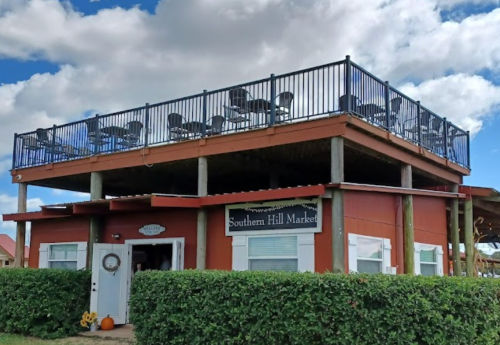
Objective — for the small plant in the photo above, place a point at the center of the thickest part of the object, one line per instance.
(88, 319)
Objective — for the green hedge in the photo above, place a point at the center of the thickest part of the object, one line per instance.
(214, 307)
(43, 303)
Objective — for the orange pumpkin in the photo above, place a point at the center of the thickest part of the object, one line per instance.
(107, 324)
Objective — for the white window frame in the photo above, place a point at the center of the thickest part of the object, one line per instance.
(353, 253)
(81, 256)
(439, 257)
(305, 249)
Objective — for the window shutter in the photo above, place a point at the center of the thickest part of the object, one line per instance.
(353, 253)
(81, 256)
(240, 261)
(439, 260)
(43, 255)
(417, 259)
(387, 255)
(306, 253)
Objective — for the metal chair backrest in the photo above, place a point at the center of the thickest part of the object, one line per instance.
(425, 118)
(343, 102)
(238, 97)
(174, 120)
(92, 126)
(396, 104)
(217, 123)
(42, 136)
(135, 128)
(285, 99)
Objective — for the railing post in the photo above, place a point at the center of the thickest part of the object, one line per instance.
(272, 119)
(204, 114)
(348, 82)
(445, 137)
(419, 125)
(97, 135)
(387, 105)
(53, 143)
(14, 156)
(146, 134)
(468, 149)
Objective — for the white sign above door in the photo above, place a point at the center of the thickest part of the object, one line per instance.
(151, 229)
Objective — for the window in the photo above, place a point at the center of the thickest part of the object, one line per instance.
(273, 253)
(428, 259)
(63, 256)
(69, 256)
(369, 254)
(6, 263)
(292, 253)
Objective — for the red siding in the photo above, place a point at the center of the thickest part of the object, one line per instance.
(177, 223)
(219, 246)
(429, 216)
(323, 254)
(56, 230)
(371, 214)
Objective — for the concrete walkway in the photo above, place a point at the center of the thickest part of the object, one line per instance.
(121, 332)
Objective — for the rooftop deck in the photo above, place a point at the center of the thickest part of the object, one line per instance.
(336, 88)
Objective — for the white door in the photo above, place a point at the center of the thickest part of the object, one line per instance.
(109, 285)
(177, 255)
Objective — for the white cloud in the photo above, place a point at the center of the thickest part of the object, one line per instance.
(120, 58)
(8, 204)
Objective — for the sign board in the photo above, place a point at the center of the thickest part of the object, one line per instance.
(286, 216)
(151, 229)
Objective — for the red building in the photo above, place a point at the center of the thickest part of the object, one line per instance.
(325, 169)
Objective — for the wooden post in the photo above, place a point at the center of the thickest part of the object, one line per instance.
(338, 231)
(409, 234)
(22, 196)
(201, 228)
(469, 236)
(96, 193)
(455, 238)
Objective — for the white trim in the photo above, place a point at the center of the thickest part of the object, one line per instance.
(439, 257)
(317, 229)
(168, 240)
(81, 254)
(353, 253)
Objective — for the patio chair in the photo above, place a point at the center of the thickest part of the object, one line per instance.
(175, 130)
(94, 134)
(216, 125)
(69, 151)
(33, 146)
(355, 102)
(133, 135)
(52, 145)
(285, 100)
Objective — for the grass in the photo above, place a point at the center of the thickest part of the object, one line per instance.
(8, 339)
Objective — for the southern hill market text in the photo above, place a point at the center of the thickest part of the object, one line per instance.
(278, 219)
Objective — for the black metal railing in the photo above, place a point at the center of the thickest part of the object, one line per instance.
(303, 95)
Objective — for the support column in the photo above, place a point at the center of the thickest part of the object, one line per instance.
(22, 196)
(95, 230)
(408, 230)
(201, 229)
(338, 231)
(469, 236)
(455, 238)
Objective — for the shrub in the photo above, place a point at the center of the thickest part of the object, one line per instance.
(43, 303)
(214, 307)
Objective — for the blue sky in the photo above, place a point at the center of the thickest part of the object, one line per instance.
(62, 60)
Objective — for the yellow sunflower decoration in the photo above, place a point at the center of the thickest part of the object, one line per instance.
(88, 319)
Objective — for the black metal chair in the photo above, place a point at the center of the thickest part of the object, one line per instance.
(175, 130)
(234, 113)
(285, 100)
(133, 135)
(52, 144)
(94, 134)
(216, 125)
(355, 102)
